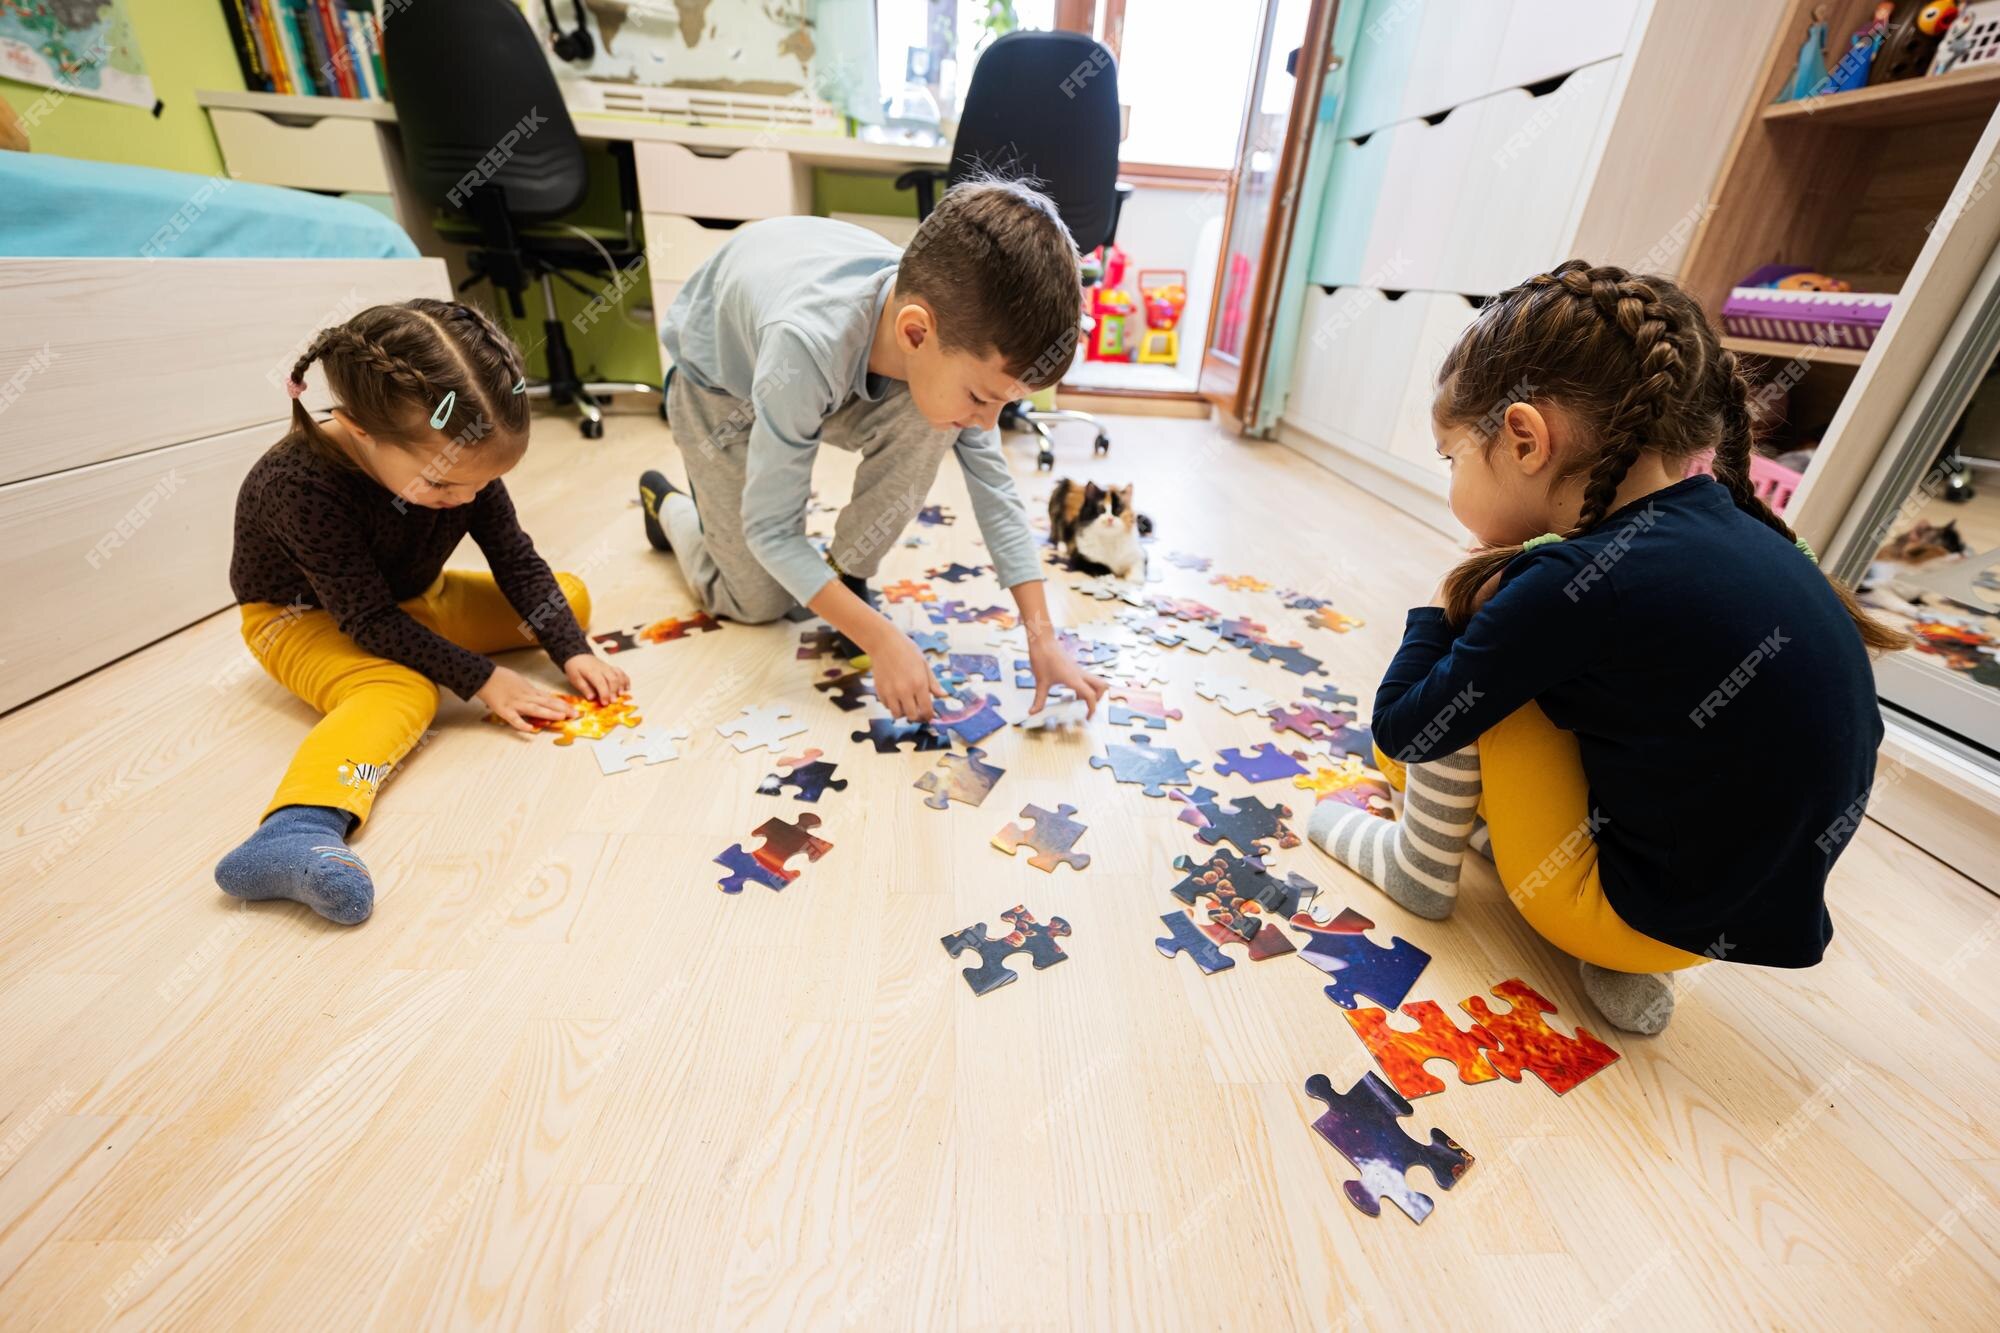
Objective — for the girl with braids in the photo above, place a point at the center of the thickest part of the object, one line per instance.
(1614, 677)
(342, 531)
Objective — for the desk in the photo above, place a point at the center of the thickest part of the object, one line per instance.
(727, 173)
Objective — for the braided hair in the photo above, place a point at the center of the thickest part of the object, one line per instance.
(1634, 362)
(423, 374)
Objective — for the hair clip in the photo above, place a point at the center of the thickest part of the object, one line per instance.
(521, 385)
(295, 389)
(443, 413)
(1809, 553)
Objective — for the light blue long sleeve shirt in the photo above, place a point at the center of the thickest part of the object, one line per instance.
(783, 317)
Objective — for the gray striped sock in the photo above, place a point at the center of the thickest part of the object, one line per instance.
(1416, 859)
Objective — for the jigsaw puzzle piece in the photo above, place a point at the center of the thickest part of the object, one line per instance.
(1264, 763)
(783, 841)
(822, 641)
(1145, 707)
(1057, 714)
(1290, 656)
(1402, 1053)
(1361, 1124)
(1350, 739)
(1358, 965)
(971, 720)
(1234, 696)
(847, 690)
(1309, 720)
(593, 721)
(983, 665)
(963, 778)
(1026, 936)
(1184, 936)
(1526, 1041)
(745, 868)
(1055, 834)
(955, 572)
(767, 725)
(1246, 822)
(932, 641)
(1156, 767)
(1233, 880)
(932, 516)
(888, 734)
(809, 776)
(614, 641)
(908, 590)
(679, 627)
(649, 745)
(1331, 695)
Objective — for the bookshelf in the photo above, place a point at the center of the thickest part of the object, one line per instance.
(310, 49)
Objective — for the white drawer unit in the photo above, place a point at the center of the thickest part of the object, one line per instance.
(330, 154)
(742, 186)
(676, 246)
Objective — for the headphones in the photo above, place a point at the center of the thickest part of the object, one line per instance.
(575, 46)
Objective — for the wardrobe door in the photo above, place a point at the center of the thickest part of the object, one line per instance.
(1354, 184)
(1424, 205)
(1385, 53)
(1457, 53)
(1545, 38)
(1442, 318)
(1531, 175)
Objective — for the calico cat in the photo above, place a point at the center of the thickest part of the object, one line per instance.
(1923, 542)
(1098, 529)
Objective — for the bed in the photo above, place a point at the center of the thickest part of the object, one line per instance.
(148, 320)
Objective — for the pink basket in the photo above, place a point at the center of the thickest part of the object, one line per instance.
(1772, 483)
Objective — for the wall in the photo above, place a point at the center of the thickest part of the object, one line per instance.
(186, 46)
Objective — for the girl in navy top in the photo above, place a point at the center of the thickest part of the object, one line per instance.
(1617, 677)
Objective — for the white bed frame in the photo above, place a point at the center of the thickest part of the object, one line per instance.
(134, 395)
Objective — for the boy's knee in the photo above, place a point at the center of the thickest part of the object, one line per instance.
(762, 608)
(578, 594)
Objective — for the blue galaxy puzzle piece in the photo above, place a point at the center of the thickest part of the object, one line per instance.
(1361, 1123)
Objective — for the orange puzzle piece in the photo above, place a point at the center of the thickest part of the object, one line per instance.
(1402, 1054)
(593, 721)
(1526, 1041)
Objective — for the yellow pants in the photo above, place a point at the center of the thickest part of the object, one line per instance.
(376, 710)
(1536, 803)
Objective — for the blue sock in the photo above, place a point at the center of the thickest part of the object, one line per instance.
(301, 853)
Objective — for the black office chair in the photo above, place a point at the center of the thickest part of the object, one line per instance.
(487, 139)
(1042, 105)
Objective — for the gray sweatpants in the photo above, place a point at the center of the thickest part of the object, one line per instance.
(900, 453)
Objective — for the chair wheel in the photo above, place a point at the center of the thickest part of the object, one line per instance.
(1101, 445)
(592, 430)
(1045, 461)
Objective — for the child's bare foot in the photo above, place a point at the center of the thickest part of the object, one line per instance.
(1641, 1002)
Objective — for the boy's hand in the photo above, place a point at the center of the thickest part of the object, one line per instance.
(903, 681)
(514, 699)
(1053, 665)
(595, 678)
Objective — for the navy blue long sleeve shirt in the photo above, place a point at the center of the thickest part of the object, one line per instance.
(1720, 695)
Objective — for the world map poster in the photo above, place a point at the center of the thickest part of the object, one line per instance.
(77, 46)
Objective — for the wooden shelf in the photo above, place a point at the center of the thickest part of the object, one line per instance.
(1964, 92)
(1811, 353)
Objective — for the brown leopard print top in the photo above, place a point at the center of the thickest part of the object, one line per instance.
(311, 532)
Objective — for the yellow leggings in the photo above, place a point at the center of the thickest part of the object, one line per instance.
(1536, 803)
(376, 710)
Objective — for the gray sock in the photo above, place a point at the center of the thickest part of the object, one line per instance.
(1415, 859)
(300, 852)
(1481, 840)
(1640, 1002)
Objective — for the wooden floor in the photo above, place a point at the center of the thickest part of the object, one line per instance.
(559, 1081)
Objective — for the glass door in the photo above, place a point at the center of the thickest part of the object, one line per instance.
(1923, 547)
(1263, 199)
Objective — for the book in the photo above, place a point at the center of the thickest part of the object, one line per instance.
(298, 64)
(255, 78)
(265, 27)
(319, 61)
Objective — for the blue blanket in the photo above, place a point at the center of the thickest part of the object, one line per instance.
(64, 207)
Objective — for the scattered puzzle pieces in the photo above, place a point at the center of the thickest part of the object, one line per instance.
(1330, 695)
(615, 641)
(1350, 738)
(649, 745)
(848, 690)
(1233, 880)
(1361, 1123)
(1310, 721)
(822, 641)
(1246, 822)
(965, 778)
(1240, 583)
(767, 865)
(1057, 714)
(908, 590)
(932, 641)
(1526, 1041)
(1266, 763)
(1402, 1053)
(767, 725)
(1357, 964)
(1145, 707)
(1157, 767)
(1290, 656)
(983, 665)
(953, 612)
(1325, 617)
(955, 572)
(809, 776)
(1234, 695)
(1026, 936)
(1055, 834)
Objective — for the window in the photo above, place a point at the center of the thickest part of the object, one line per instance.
(1184, 69)
(948, 35)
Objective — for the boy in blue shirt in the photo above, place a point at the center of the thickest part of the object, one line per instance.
(801, 331)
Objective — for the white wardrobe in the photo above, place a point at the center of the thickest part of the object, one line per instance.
(1478, 142)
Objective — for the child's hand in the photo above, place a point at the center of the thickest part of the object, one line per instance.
(903, 681)
(514, 699)
(1053, 665)
(595, 678)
